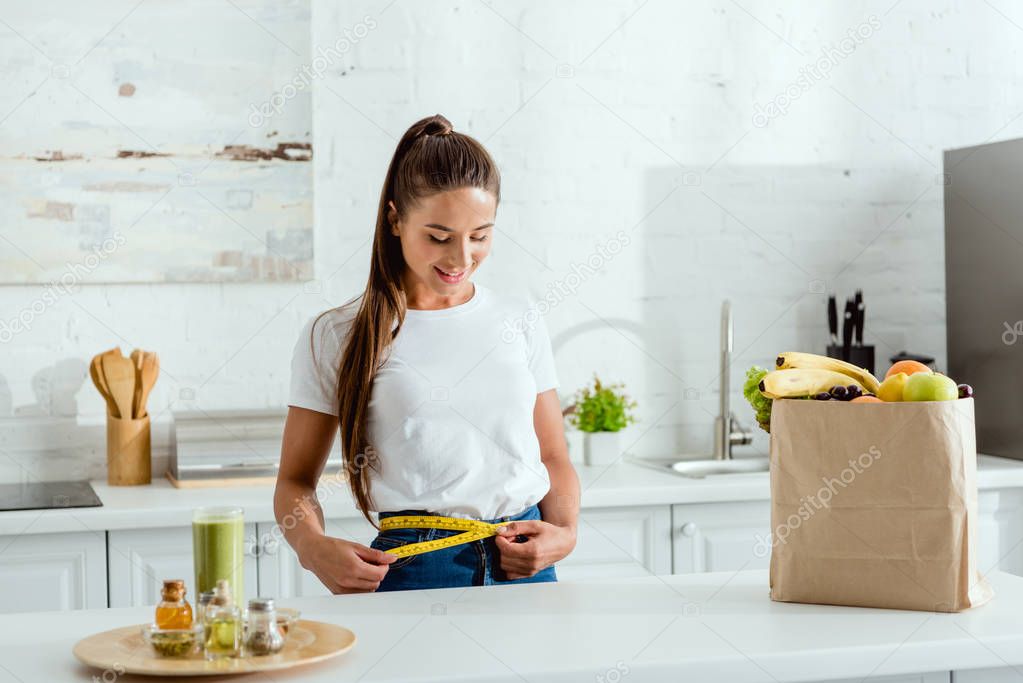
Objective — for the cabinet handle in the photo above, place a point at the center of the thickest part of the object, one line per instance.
(688, 529)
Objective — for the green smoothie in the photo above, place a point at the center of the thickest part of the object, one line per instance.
(218, 548)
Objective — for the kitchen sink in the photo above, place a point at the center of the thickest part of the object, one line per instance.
(727, 431)
(704, 467)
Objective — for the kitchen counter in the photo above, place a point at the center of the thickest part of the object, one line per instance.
(624, 484)
(694, 627)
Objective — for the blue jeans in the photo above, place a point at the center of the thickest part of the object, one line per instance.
(477, 563)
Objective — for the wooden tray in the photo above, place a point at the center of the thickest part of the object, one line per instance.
(123, 649)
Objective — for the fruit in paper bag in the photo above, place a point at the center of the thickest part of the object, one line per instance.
(909, 367)
(797, 383)
(965, 391)
(930, 387)
(893, 387)
(811, 361)
(866, 399)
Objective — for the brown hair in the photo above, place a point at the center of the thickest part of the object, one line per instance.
(430, 158)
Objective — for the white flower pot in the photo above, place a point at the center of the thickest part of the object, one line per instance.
(602, 448)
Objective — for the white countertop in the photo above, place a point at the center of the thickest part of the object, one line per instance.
(624, 484)
(691, 627)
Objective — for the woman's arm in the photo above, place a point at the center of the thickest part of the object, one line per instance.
(561, 504)
(342, 566)
(553, 537)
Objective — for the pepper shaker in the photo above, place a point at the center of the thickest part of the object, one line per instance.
(263, 636)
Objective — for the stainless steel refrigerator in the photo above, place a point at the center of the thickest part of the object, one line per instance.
(984, 287)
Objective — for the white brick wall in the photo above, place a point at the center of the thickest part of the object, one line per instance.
(842, 189)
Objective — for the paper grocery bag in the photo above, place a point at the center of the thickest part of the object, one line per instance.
(875, 505)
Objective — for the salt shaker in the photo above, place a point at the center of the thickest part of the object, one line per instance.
(263, 636)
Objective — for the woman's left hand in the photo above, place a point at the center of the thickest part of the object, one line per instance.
(544, 544)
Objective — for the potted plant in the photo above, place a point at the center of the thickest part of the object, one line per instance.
(601, 412)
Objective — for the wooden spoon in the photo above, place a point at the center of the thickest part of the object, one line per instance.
(96, 372)
(120, 378)
(136, 364)
(150, 372)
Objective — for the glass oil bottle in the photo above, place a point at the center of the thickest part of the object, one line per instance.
(223, 625)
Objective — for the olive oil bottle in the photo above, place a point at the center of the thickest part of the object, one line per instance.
(223, 624)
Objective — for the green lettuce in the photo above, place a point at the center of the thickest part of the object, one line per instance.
(760, 403)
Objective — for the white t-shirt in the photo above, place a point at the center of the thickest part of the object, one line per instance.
(451, 411)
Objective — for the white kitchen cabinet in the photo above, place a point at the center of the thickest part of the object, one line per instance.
(612, 542)
(140, 559)
(999, 675)
(619, 542)
(53, 571)
(936, 677)
(715, 537)
(1000, 531)
(735, 535)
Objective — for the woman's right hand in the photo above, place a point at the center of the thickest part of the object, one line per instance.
(345, 566)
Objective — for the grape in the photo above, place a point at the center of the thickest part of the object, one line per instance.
(965, 391)
(853, 391)
(840, 393)
(823, 396)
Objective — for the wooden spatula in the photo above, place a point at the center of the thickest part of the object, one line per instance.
(120, 378)
(136, 364)
(150, 372)
(96, 372)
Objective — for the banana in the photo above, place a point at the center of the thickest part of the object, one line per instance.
(799, 382)
(810, 361)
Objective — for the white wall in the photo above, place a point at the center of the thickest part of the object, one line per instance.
(175, 79)
(647, 127)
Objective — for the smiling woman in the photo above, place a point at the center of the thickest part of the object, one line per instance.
(441, 412)
(447, 251)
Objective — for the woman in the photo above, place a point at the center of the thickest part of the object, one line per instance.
(445, 395)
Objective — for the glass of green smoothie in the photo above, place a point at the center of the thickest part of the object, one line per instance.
(218, 549)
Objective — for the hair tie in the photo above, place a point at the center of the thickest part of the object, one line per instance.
(438, 125)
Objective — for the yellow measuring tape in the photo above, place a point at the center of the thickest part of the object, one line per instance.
(472, 530)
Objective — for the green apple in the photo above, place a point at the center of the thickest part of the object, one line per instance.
(924, 386)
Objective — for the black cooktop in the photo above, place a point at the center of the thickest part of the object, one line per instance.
(46, 495)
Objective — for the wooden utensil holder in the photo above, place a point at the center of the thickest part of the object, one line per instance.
(129, 452)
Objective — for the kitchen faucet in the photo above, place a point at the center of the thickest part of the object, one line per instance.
(727, 430)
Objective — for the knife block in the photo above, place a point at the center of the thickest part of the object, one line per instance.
(860, 356)
(129, 452)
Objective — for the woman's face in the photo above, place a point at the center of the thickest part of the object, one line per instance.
(444, 239)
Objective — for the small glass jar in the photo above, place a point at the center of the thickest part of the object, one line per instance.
(201, 603)
(173, 612)
(263, 636)
(222, 624)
